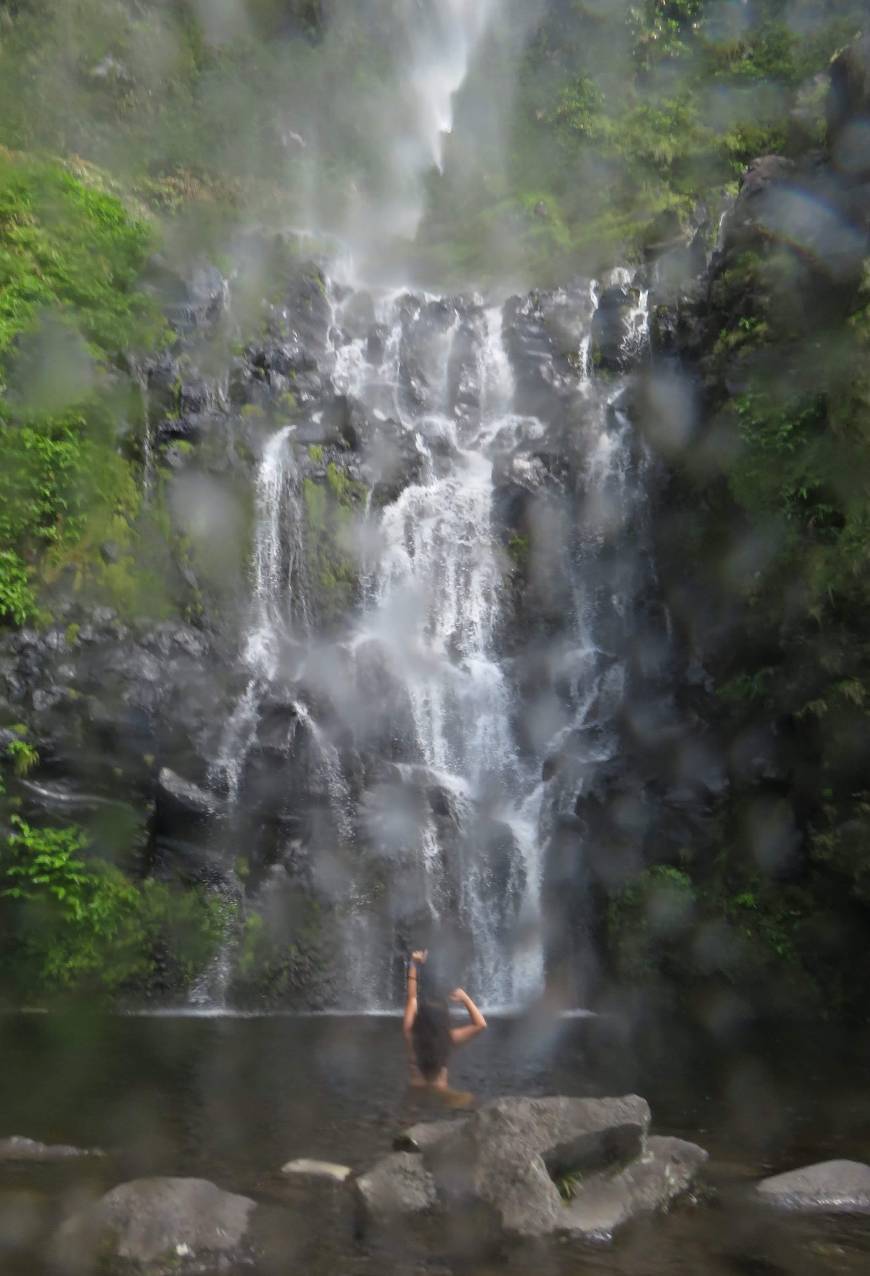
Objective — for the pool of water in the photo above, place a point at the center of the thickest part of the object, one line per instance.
(233, 1098)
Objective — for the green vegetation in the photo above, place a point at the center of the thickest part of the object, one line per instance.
(770, 534)
(623, 112)
(70, 303)
(76, 923)
(284, 957)
(332, 510)
(23, 757)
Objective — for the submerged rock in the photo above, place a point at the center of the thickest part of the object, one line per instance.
(830, 1185)
(20, 1149)
(325, 1171)
(422, 1137)
(160, 1225)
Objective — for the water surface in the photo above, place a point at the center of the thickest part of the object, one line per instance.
(233, 1098)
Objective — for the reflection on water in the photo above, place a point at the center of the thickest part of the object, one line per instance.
(232, 1099)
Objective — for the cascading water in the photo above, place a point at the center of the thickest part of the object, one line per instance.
(435, 809)
(440, 38)
(435, 607)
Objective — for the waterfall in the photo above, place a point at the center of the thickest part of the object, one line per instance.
(440, 38)
(441, 801)
(278, 598)
(435, 609)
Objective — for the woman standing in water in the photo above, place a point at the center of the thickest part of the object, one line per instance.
(426, 1025)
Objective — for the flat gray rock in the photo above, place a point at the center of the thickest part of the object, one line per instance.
(326, 1171)
(20, 1149)
(397, 1186)
(830, 1185)
(159, 1225)
(605, 1202)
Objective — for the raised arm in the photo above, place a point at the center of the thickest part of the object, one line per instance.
(417, 960)
(460, 1035)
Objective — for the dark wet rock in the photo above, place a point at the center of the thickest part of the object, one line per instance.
(107, 705)
(308, 308)
(610, 329)
(587, 1152)
(423, 1137)
(393, 461)
(532, 354)
(194, 299)
(160, 1226)
(464, 389)
(376, 343)
(848, 109)
(180, 799)
(758, 185)
(832, 1186)
(16, 1149)
(423, 349)
(358, 315)
(386, 703)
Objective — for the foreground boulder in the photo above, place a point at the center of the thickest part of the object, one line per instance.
(841, 1186)
(529, 1168)
(159, 1225)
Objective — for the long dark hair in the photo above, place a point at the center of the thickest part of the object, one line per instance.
(431, 1036)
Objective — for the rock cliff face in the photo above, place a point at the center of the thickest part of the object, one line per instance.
(384, 706)
(755, 400)
(453, 659)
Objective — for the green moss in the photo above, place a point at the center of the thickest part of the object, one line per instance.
(71, 258)
(283, 958)
(519, 548)
(331, 509)
(74, 250)
(315, 451)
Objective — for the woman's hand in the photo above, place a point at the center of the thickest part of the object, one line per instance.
(420, 956)
(460, 995)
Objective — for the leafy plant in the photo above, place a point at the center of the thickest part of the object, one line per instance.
(79, 923)
(23, 756)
